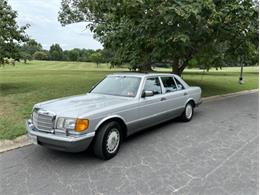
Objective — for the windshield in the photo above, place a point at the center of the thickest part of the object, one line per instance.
(126, 86)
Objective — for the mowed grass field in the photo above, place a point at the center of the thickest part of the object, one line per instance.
(26, 84)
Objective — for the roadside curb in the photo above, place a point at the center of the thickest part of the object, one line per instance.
(21, 141)
(228, 95)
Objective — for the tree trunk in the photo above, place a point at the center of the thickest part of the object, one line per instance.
(181, 69)
(146, 68)
(175, 66)
(178, 68)
(175, 69)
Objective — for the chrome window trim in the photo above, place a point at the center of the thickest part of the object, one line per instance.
(148, 77)
(173, 81)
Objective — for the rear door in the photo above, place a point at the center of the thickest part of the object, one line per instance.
(175, 96)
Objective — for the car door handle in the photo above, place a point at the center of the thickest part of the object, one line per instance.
(185, 93)
(163, 99)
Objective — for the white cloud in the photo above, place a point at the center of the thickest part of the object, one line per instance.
(42, 16)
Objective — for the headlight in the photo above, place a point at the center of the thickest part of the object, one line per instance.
(60, 123)
(66, 123)
(78, 125)
(69, 123)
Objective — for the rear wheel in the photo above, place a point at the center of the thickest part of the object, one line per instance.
(107, 141)
(188, 112)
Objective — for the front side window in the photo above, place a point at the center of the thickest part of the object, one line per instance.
(126, 86)
(153, 84)
(168, 84)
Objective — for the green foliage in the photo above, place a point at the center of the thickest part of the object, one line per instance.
(33, 50)
(11, 35)
(55, 52)
(31, 46)
(28, 49)
(25, 56)
(40, 55)
(96, 57)
(88, 54)
(74, 55)
(174, 32)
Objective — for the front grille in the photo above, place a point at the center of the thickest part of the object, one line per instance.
(43, 121)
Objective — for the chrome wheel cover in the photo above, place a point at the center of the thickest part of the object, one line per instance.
(113, 140)
(188, 111)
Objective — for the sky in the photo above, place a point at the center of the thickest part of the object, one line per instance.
(45, 28)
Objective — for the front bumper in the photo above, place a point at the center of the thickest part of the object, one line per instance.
(59, 141)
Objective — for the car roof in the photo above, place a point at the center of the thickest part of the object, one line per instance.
(139, 74)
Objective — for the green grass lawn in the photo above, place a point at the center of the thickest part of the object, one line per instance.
(26, 84)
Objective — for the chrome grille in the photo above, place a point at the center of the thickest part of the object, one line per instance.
(43, 120)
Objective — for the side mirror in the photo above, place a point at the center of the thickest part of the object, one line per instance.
(147, 94)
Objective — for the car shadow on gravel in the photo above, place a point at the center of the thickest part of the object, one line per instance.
(87, 156)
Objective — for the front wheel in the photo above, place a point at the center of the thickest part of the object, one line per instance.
(107, 141)
(188, 112)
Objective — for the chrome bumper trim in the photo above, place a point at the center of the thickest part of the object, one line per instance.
(30, 126)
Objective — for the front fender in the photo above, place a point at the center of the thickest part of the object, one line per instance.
(109, 118)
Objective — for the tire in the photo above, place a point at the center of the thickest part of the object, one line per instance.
(107, 140)
(188, 112)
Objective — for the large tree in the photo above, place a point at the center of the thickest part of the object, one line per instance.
(235, 36)
(31, 46)
(96, 57)
(40, 55)
(11, 35)
(28, 49)
(73, 55)
(56, 52)
(144, 32)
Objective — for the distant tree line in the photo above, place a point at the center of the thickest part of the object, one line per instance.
(33, 50)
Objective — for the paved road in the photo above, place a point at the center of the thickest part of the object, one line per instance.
(215, 153)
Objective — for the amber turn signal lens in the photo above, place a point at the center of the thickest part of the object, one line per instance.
(81, 125)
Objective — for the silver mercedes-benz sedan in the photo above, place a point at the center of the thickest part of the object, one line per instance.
(118, 106)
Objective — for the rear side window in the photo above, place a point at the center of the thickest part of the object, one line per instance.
(169, 84)
(153, 84)
(179, 85)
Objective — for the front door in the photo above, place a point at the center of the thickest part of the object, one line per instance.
(151, 108)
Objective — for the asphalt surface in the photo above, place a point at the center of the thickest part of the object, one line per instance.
(215, 153)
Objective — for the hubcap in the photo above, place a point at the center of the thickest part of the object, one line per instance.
(188, 111)
(113, 139)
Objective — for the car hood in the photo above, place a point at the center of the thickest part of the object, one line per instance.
(75, 106)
